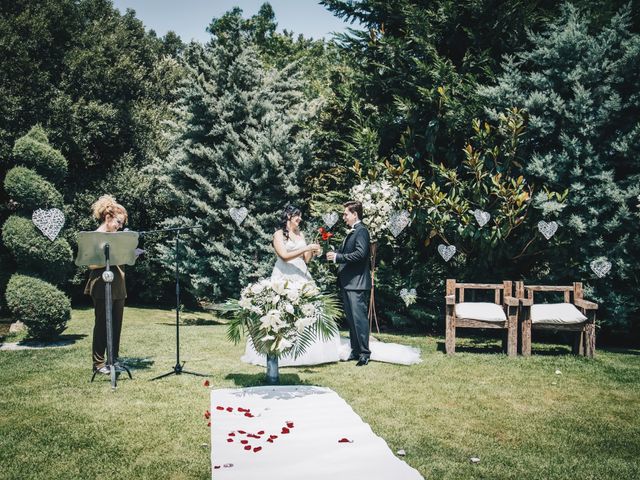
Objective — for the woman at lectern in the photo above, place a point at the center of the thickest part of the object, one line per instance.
(112, 216)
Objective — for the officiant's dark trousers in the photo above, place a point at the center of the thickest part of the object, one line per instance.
(356, 307)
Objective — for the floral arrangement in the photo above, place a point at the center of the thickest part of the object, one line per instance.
(379, 200)
(282, 317)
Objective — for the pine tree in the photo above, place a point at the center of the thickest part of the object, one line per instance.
(239, 140)
(580, 87)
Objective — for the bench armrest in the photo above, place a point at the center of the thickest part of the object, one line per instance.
(526, 302)
(511, 301)
(586, 304)
(450, 299)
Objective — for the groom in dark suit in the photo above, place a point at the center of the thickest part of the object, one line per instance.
(354, 279)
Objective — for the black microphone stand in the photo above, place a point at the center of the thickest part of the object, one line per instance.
(178, 367)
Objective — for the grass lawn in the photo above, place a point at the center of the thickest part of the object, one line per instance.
(518, 416)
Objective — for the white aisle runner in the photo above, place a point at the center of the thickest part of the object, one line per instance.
(294, 432)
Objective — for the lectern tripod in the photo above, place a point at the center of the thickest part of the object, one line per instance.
(103, 249)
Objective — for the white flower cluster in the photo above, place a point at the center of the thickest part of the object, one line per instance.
(282, 310)
(379, 200)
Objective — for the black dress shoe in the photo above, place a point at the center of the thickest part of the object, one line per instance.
(362, 361)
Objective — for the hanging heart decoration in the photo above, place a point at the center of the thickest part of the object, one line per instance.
(600, 267)
(330, 219)
(408, 296)
(49, 222)
(446, 251)
(398, 221)
(482, 217)
(238, 214)
(547, 229)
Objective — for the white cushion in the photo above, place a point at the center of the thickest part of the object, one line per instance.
(483, 311)
(556, 313)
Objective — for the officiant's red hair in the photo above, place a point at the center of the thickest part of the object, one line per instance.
(354, 207)
(107, 205)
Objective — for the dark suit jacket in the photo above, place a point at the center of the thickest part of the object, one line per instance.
(354, 270)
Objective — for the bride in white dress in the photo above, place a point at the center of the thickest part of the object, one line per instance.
(293, 254)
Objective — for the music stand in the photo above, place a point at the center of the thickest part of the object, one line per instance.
(178, 368)
(103, 249)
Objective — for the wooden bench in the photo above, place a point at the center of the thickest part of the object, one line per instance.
(551, 319)
(462, 314)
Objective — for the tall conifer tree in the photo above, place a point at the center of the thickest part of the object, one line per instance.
(580, 89)
(238, 142)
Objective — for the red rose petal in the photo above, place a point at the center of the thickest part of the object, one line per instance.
(229, 440)
(232, 434)
(206, 383)
(270, 440)
(273, 436)
(244, 442)
(219, 407)
(229, 409)
(261, 432)
(241, 432)
(209, 424)
(290, 424)
(257, 449)
(344, 440)
(207, 414)
(248, 447)
(250, 415)
(285, 430)
(216, 467)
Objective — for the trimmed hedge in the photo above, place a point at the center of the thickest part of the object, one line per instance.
(34, 151)
(43, 308)
(30, 190)
(36, 253)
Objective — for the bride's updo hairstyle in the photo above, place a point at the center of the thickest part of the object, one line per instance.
(289, 212)
(107, 205)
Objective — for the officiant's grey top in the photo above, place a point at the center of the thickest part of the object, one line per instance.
(122, 246)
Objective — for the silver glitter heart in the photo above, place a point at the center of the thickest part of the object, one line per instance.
(547, 229)
(408, 296)
(238, 214)
(330, 219)
(446, 251)
(49, 222)
(398, 222)
(482, 217)
(600, 267)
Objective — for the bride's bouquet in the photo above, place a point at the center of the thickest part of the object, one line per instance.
(282, 316)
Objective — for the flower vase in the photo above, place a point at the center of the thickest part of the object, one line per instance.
(273, 376)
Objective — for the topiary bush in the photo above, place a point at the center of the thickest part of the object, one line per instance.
(35, 253)
(30, 191)
(33, 151)
(43, 308)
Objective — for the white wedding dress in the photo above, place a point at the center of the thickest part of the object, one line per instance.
(334, 349)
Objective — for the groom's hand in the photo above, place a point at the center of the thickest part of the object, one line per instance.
(331, 256)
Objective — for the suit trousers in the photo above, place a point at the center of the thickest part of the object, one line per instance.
(100, 329)
(356, 308)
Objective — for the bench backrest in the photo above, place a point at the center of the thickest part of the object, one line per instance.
(500, 289)
(571, 292)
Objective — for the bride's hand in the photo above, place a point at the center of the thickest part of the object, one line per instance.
(314, 248)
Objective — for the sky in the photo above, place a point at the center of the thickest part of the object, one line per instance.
(189, 18)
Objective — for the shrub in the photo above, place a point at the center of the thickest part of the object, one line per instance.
(30, 190)
(43, 308)
(34, 151)
(36, 253)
